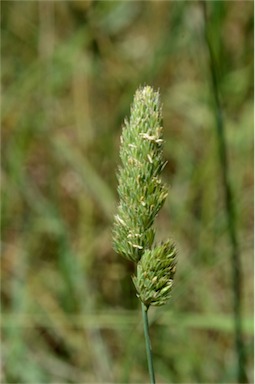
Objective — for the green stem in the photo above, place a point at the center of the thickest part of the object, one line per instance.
(230, 211)
(148, 343)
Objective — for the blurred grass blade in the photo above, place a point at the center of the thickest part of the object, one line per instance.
(94, 183)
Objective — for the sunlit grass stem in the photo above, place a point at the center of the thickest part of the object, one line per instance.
(148, 343)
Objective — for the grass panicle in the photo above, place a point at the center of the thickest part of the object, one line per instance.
(142, 193)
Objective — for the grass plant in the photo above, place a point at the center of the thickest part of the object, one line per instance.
(142, 194)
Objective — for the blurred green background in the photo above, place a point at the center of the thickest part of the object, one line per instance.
(69, 72)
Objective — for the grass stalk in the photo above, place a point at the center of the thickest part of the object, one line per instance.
(230, 210)
(148, 343)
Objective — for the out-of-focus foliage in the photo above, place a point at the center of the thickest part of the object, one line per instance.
(69, 72)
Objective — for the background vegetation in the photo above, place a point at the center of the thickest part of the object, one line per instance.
(69, 72)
